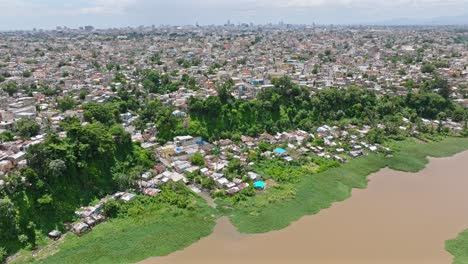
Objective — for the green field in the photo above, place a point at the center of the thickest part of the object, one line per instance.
(280, 206)
(155, 232)
(458, 247)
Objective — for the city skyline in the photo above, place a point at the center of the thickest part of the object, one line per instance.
(28, 14)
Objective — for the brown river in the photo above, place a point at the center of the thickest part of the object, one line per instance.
(400, 218)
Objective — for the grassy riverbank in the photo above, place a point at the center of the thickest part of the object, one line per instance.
(281, 205)
(162, 228)
(458, 247)
(155, 231)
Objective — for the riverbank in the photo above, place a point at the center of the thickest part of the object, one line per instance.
(458, 247)
(400, 217)
(267, 212)
(155, 231)
(160, 232)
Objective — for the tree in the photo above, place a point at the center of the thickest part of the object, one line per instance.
(26, 74)
(57, 167)
(83, 94)
(376, 135)
(197, 159)
(443, 87)
(107, 113)
(66, 103)
(208, 183)
(428, 68)
(8, 227)
(458, 115)
(11, 88)
(111, 208)
(234, 166)
(3, 254)
(224, 92)
(27, 128)
(6, 136)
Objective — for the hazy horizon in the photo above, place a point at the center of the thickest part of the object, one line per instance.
(28, 14)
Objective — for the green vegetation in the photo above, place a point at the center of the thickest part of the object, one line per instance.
(10, 87)
(27, 128)
(428, 68)
(154, 82)
(66, 103)
(458, 248)
(144, 227)
(280, 205)
(64, 174)
(107, 114)
(287, 106)
(99, 158)
(6, 136)
(197, 159)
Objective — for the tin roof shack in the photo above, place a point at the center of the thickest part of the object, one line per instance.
(17, 157)
(127, 197)
(54, 234)
(151, 191)
(80, 228)
(86, 211)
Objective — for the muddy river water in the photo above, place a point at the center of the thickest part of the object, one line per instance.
(400, 218)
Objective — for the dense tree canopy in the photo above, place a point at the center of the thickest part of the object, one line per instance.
(108, 113)
(27, 128)
(288, 106)
(11, 88)
(64, 174)
(66, 103)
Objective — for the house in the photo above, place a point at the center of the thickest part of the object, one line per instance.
(221, 182)
(185, 140)
(151, 191)
(176, 177)
(54, 234)
(146, 176)
(243, 185)
(90, 221)
(80, 228)
(232, 190)
(178, 113)
(126, 197)
(253, 176)
(86, 211)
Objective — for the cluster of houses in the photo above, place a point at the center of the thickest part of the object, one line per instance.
(91, 216)
(13, 154)
(176, 155)
(95, 65)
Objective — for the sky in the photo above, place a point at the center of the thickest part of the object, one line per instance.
(28, 14)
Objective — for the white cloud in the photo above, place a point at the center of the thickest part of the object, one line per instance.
(333, 3)
(108, 7)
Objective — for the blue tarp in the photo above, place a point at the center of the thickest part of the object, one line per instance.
(279, 151)
(259, 185)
